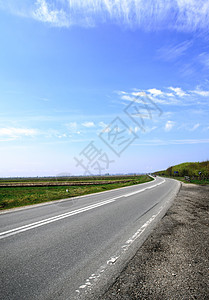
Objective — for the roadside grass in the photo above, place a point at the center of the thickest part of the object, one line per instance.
(204, 181)
(195, 181)
(199, 171)
(11, 197)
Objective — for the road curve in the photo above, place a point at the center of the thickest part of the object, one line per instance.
(74, 248)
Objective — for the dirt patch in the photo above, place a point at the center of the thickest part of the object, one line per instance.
(173, 262)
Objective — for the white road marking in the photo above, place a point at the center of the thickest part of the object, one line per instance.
(94, 277)
(147, 188)
(68, 214)
(53, 219)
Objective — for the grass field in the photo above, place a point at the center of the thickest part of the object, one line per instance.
(11, 197)
(66, 179)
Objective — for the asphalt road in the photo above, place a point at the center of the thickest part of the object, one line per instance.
(75, 248)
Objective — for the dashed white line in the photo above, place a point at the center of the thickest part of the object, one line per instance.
(94, 277)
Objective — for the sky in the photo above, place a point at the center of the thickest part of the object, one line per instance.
(102, 86)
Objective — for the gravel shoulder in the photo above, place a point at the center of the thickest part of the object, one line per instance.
(173, 261)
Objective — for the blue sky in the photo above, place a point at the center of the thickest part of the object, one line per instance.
(71, 71)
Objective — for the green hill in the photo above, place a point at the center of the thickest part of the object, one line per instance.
(192, 169)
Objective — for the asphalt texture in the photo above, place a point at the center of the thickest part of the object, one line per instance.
(75, 248)
(173, 263)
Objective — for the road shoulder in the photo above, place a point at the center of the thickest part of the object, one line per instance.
(173, 261)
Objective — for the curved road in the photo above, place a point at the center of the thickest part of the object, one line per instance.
(75, 248)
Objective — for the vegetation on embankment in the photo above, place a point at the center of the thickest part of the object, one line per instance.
(197, 172)
(14, 196)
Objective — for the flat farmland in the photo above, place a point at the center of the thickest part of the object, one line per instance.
(27, 191)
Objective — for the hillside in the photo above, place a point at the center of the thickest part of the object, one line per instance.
(192, 169)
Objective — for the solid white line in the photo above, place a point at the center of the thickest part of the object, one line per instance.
(147, 188)
(53, 219)
(133, 193)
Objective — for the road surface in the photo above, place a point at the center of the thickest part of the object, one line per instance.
(75, 248)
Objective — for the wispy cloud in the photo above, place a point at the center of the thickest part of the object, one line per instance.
(167, 96)
(73, 128)
(190, 141)
(155, 95)
(133, 129)
(201, 92)
(44, 99)
(12, 133)
(195, 127)
(46, 13)
(159, 142)
(102, 124)
(181, 15)
(172, 52)
(105, 127)
(204, 59)
(88, 124)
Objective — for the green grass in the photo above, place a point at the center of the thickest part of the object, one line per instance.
(195, 181)
(197, 171)
(11, 197)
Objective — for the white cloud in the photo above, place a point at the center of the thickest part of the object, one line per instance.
(139, 94)
(179, 92)
(15, 133)
(155, 92)
(169, 94)
(88, 124)
(159, 96)
(183, 15)
(127, 97)
(169, 125)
